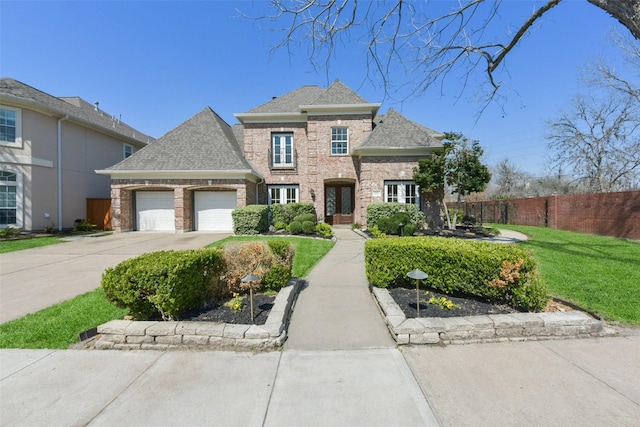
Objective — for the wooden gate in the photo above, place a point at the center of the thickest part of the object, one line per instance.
(99, 213)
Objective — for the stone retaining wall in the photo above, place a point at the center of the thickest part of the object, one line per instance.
(150, 335)
(489, 328)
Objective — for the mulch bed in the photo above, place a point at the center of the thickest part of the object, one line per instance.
(406, 299)
(218, 312)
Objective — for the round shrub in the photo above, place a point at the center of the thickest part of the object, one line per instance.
(280, 225)
(409, 230)
(324, 229)
(306, 217)
(295, 227)
(277, 277)
(308, 227)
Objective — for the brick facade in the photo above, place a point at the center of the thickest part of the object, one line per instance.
(123, 206)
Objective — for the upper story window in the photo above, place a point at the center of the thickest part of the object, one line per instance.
(10, 126)
(401, 192)
(127, 150)
(282, 150)
(339, 141)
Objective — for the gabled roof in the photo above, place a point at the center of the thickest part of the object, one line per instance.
(393, 133)
(295, 106)
(204, 143)
(78, 110)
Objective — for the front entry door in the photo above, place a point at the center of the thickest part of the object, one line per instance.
(339, 203)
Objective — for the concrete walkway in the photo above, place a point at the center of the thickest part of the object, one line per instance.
(38, 278)
(335, 310)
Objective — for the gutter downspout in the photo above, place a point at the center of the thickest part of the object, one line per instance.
(257, 192)
(60, 120)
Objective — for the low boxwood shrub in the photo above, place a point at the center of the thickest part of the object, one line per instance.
(497, 273)
(308, 227)
(392, 224)
(166, 283)
(252, 219)
(277, 277)
(375, 211)
(324, 229)
(295, 227)
(306, 217)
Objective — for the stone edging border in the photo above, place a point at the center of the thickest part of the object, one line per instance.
(159, 335)
(489, 328)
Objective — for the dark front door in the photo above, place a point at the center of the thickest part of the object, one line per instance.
(339, 203)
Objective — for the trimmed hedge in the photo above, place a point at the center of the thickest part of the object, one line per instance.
(251, 220)
(287, 213)
(498, 273)
(167, 283)
(376, 211)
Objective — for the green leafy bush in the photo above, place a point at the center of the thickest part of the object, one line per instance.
(324, 229)
(409, 230)
(9, 232)
(498, 273)
(306, 217)
(287, 213)
(391, 225)
(308, 227)
(252, 219)
(166, 283)
(356, 226)
(83, 225)
(295, 227)
(375, 211)
(280, 225)
(375, 232)
(277, 277)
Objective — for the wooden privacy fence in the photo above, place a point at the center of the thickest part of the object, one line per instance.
(99, 213)
(606, 214)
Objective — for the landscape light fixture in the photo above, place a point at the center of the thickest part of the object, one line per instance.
(417, 275)
(248, 279)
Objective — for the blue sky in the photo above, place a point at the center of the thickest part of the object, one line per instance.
(159, 63)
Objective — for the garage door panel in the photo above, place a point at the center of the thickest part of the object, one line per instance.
(155, 211)
(213, 210)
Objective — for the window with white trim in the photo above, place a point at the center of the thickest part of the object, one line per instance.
(127, 150)
(10, 126)
(339, 141)
(402, 192)
(283, 194)
(8, 198)
(282, 149)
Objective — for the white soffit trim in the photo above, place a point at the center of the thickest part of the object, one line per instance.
(393, 151)
(293, 117)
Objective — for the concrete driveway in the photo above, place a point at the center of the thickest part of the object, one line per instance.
(33, 279)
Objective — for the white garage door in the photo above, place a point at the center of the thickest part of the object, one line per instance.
(155, 211)
(213, 210)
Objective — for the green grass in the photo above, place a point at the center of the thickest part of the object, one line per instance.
(58, 326)
(308, 251)
(600, 274)
(19, 245)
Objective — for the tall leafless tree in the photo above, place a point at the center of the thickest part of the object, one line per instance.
(427, 39)
(598, 141)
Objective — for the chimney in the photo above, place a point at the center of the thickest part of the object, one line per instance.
(96, 104)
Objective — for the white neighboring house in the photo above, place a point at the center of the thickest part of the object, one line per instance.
(50, 148)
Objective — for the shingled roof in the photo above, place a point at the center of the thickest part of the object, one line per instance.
(338, 94)
(76, 108)
(393, 131)
(205, 142)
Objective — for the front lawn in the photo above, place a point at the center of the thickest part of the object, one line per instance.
(58, 326)
(601, 274)
(21, 244)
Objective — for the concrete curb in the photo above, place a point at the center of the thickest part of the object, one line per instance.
(158, 335)
(489, 328)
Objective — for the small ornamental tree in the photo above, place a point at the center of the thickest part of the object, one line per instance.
(458, 165)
